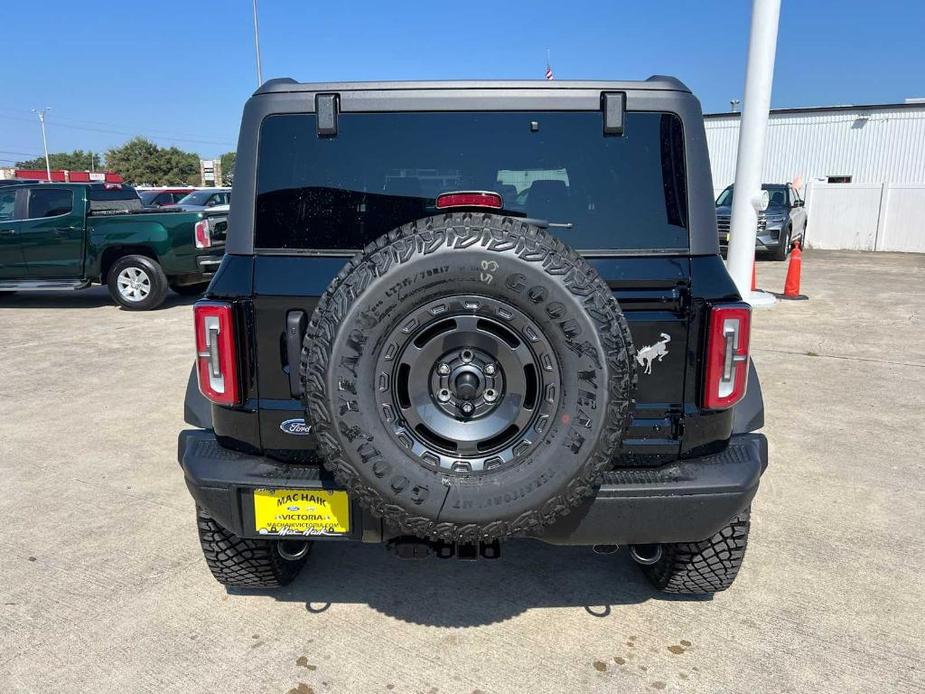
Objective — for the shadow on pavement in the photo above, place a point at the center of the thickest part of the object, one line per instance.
(455, 593)
(94, 297)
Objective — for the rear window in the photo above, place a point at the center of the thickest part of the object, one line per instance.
(113, 197)
(102, 193)
(383, 170)
(50, 202)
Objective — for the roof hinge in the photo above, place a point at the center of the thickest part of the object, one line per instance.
(326, 106)
(613, 104)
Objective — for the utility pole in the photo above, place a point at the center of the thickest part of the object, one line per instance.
(257, 45)
(753, 126)
(41, 113)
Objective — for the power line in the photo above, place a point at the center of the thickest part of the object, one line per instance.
(81, 121)
(24, 154)
(174, 138)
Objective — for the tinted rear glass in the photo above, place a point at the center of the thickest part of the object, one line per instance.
(383, 170)
(119, 192)
(50, 202)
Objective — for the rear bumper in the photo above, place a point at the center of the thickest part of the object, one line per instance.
(766, 240)
(208, 264)
(684, 501)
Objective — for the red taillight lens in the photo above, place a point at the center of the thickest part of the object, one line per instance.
(727, 356)
(203, 234)
(466, 199)
(216, 358)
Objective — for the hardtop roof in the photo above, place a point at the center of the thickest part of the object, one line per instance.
(653, 83)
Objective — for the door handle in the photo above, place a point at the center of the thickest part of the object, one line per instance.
(7, 232)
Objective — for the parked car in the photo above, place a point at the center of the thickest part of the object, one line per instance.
(204, 198)
(451, 315)
(779, 226)
(159, 197)
(72, 235)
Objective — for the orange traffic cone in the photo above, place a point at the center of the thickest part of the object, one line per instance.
(792, 283)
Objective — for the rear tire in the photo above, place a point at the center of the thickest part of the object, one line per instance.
(241, 562)
(137, 283)
(699, 568)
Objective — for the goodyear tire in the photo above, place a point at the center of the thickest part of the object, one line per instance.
(469, 377)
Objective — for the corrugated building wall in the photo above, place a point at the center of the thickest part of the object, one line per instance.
(862, 169)
(871, 144)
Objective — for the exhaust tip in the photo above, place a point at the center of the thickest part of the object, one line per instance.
(646, 554)
(292, 550)
(605, 549)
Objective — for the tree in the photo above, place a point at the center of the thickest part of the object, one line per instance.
(228, 159)
(141, 162)
(78, 160)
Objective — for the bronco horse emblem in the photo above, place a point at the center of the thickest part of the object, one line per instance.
(650, 353)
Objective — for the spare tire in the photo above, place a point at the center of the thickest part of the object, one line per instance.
(469, 377)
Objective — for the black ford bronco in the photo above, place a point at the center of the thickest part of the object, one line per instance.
(454, 313)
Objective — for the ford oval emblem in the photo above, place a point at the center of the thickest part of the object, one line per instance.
(296, 427)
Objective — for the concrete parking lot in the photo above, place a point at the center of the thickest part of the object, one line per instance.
(103, 587)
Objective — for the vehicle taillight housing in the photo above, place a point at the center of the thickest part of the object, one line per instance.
(203, 234)
(727, 356)
(216, 356)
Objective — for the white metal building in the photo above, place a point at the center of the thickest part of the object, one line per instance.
(863, 168)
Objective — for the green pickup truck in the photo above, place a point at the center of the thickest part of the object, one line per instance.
(57, 236)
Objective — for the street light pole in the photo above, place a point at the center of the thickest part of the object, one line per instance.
(41, 113)
(746, 201)
(257, 45)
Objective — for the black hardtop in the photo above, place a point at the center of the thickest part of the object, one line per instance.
(656, 94)
(655, 82)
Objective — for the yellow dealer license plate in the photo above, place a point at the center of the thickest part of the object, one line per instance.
(301, 512)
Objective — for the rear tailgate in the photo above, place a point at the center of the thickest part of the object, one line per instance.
(654, 293)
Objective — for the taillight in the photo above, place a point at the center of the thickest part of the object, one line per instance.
(216, 359)
(727, 356)
(469, 199)
(203, 234)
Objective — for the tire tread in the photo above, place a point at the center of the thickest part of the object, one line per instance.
(708, 566)
(242, 562)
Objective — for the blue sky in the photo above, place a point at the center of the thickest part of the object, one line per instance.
(179, 72)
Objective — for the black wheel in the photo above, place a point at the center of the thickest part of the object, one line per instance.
(190, 289)
(469, 377)
(783, 249)
(702, 567)
(237, 561)
(137, 283)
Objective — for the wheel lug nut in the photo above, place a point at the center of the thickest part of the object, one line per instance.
(467, 408)
(490, 369)
(443, 369)
(443, 395)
